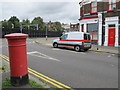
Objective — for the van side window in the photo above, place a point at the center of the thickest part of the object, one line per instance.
(89, 37)
(63, 37)
(85, 36)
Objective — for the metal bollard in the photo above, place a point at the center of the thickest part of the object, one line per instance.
(18, 58)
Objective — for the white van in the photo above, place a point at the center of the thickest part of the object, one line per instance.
(77, 40)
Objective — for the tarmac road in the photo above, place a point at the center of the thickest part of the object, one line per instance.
(75, 69)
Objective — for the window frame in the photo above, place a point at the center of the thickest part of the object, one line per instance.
(92, 7)
(110, 5)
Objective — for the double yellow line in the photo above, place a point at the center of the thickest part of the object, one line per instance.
(43, 77)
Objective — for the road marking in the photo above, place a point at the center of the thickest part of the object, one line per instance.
(38, 54)
(49, 78)
(111, 55)
(55, 49)
(43, 77)
(77, 52)
(68, 51)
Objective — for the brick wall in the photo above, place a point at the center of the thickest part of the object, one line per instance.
(87, 8)
(102, 6)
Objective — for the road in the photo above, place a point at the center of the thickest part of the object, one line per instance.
(75, 69)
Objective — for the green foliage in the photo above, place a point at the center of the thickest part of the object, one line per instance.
(6, 83)
(39, 21)
(6, 24)
(55, 26)
(15, 22)
(34, 84)
(25, 22)
(4, 68)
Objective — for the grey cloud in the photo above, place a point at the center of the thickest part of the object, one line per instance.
(54, 11)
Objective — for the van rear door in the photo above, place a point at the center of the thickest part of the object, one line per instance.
(87, 40)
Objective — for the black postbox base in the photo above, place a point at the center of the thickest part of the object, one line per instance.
(19, 81)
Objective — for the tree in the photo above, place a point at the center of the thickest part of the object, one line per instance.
(6, 24)
(39, 21)
(25, 22)
(15, 22)
(56, 26)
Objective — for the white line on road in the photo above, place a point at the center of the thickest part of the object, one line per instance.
(68, 51)
(77, 52)
(38, 54)
(55, 49)
(111, 55)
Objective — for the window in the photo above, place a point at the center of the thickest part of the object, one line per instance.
(89, 37)
(94, 7)
(83, 10)
(85, 36)
(112, 4)
(111, 26)
(63, 37)
(82, 27)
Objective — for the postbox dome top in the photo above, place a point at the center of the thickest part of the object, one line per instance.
(16, 36)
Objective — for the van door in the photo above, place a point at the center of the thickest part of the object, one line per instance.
(87, 40)
(63, 40)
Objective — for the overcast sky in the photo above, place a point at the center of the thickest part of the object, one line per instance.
(63, 11)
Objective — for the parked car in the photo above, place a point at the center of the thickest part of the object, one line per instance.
(77, 40)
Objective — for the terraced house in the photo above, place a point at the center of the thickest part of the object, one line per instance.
(101, 19)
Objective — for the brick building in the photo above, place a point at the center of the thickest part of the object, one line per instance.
(101, 19)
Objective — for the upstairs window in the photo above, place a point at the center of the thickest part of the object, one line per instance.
(94, 7)
(83, 10)
(112, 4)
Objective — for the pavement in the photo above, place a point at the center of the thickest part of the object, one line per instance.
(105, 49)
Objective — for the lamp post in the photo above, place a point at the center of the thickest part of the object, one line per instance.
(21, 28)
(46, 31)
(97, 34)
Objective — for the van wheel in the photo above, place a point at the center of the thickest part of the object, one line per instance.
(77, 48)
(55, 45)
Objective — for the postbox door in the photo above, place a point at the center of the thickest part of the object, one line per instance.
(111, 36)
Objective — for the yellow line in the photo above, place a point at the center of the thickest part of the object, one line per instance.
(5, 57)
(45, 80)
(50, 79)
(43, 76)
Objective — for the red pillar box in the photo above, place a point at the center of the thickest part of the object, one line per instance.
(18, 58)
